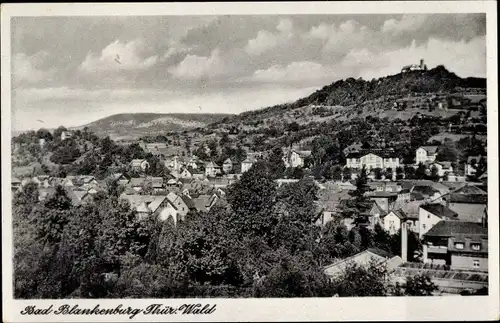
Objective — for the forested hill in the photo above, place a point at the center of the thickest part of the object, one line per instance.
(135, 125)
(381, 92)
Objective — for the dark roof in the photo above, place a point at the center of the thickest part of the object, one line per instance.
(439, 210)
(189, 202)
(452, 228)
(430, 149)
(424, 190)
(469, 189)
(380, 252)
(381, 194)
(469, 198)
(416, 196)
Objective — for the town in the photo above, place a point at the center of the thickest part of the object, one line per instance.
(332, 200)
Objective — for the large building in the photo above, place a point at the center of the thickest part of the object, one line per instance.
(295, 158)
(373, 159)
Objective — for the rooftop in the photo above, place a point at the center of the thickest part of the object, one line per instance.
(440, 210)
(452, 228)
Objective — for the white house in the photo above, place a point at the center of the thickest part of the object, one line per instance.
(443, 168)
(139, 164)
(247, 164)
(425, 154)
(66, 134)
(295, 158)
(431, 214)
(392, 221)
(212, 169)
(179, 204)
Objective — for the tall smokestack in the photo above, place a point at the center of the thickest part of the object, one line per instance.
(404, 242)
(421, 63)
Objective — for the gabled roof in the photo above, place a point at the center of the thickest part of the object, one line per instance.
(144, 203)
(440, 210)
(399, 213)
(212, 165)
(424, 190)
(188, 201)
(469, 189)
(430, 150)
(452, 228)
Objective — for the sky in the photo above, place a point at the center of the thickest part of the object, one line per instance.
(74, 70)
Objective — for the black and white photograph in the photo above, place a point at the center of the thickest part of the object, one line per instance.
(213, 156)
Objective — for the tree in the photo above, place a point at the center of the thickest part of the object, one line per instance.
(434, 173)
(359, 202)
(276, 163)
(347, 173)
(357, 280)
(419, 285)
(420, 172)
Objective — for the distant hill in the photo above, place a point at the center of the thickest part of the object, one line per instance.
(134, 125)
(345, 99)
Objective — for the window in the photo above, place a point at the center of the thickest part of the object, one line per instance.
(428, 216)
(475, 246)
(423, 226)
(475, 263)
(459, 245)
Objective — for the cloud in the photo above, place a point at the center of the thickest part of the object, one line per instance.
(195, 67)
(303, 72)
(341, 38)
(29, 69)
(459, 58)
(406, 23)
(119, 56)
(266, 40)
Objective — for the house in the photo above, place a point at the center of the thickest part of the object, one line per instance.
(443, 168)
(119, 178)
(355, 147)
(469, 202)
(430, 214)
(189, 202)
(247, 163)
(457, 244)
(15, 184)
(295, 158)
(425, 154)
(472, 164)
(179, 203)
(78, 196)
(156, 206)
(66, 135)
(227, 166)
(193, 162)
(392, 221)
(378, 256)
(384, 186)
(156, 148)
(212, 169)
(424, 191)
(188, 172)
(139, 165)
(384, 199)
(174, 164)
(374, 158)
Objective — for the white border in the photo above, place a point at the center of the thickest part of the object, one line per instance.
(386, 308)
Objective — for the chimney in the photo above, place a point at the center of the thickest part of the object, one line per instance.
(404, 242)
(421, 63)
